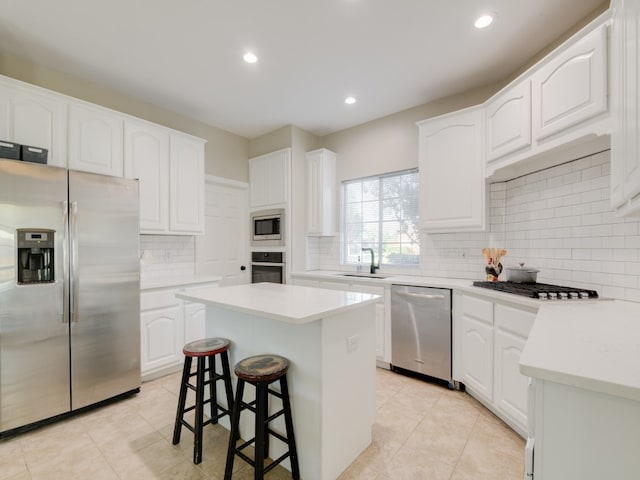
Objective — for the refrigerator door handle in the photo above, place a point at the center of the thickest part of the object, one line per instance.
(65, 262)
(73, 249)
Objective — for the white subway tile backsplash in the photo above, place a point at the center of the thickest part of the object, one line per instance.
(557, 220)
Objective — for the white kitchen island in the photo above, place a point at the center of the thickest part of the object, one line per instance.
(329, 338)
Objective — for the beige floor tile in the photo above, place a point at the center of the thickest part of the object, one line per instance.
(422, 431)
(493, 452)
(410, 464)
(12, 462)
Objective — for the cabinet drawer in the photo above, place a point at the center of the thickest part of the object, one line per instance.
(158, 299)
(479, 309)
(514, 320)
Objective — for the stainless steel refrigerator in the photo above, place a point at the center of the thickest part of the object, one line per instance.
(69, 291)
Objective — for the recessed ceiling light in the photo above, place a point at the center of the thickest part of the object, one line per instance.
(484, 21)
(250, 57)
(350, 100)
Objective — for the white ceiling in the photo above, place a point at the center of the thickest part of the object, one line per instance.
(186, 55)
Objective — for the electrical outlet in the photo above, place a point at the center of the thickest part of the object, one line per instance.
(352, 343)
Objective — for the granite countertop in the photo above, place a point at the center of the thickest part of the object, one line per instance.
(593, 345)
(287, 303)
(182, 281)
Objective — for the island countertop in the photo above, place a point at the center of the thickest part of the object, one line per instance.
(286, 303)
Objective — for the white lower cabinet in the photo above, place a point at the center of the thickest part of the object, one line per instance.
(161, 339)
(166, 324)
(477, 346)
(491, 339)
(194, 321)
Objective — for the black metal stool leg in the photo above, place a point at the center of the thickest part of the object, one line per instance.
(261, 429)
(182, 399)
(288, 420)
(234, 435)
(199, 411)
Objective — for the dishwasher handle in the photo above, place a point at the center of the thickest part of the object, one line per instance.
(426, 296)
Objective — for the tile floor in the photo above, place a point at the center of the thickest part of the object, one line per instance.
(422, 432)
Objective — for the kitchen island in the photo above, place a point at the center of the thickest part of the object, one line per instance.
(329, 338)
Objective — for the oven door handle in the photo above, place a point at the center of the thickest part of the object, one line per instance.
(267, 264)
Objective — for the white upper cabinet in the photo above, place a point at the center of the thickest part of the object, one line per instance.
(625, 107)
(508, 121)
(95, 140)
(556, 111)
(170, 167)
(29, 116)
(321, 190)
(269, 179)
(186, 184)
(147, 159)
(572, 86)
(451, 165)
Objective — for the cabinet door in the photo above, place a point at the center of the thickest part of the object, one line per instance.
(95, 141)
(512, 327)
(625, 105)
(31, 117)
(269, 179)
(194, 321)
(186, 180)
(321, 177)
(623, 96)
(572, 87)
(508, 121)
(477, 345)
(380, 316)
(147, 159)
(452, 184)
(162, 337)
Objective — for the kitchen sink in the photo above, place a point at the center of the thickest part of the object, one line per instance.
(364, 275)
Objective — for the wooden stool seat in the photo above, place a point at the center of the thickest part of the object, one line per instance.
(261, 371)
(261, 368)
(204, 351)
(206, 347)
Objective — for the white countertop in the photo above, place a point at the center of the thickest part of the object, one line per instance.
(591, 345)
(286, 303)
(420, 281)
(149, 283)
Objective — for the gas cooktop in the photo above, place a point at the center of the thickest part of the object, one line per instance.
(541, 291)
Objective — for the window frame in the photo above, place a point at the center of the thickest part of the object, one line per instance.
(380, 246)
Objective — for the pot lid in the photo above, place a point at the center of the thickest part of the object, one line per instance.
(521, 268)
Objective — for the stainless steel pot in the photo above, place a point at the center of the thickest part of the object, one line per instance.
(521, 274)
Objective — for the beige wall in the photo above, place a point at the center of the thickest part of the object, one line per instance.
(225, 153)
(391, 143)
(270, 142)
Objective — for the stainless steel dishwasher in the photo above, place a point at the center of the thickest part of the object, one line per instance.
(421, 331)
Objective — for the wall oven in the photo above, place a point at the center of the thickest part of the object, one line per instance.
(267, 267)
(267, 227)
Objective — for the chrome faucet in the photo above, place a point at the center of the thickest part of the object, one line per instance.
(374, 267)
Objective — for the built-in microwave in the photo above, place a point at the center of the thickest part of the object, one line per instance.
(267, 227)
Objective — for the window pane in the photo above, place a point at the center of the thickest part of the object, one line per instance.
(381, 213)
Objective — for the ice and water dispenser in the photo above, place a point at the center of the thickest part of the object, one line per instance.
(35, 256)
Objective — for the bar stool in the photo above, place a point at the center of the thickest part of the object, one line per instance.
(203, 349)
(261, 371)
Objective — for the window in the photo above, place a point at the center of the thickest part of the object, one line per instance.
(382, 213)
